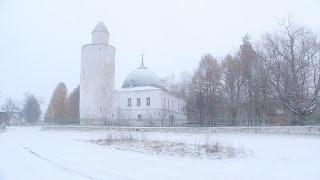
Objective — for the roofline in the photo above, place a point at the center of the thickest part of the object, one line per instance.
(144, 85)
(100, 44)
(130, 89)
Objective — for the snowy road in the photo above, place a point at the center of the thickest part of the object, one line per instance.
(30, 154)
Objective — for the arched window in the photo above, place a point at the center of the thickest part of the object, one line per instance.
(148, 101)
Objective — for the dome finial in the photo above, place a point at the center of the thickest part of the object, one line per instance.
(142, 66)
(142, 59)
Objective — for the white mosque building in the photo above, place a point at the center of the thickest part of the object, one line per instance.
(143, 99)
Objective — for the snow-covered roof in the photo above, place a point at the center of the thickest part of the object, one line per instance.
(142, 77)
(142, 88)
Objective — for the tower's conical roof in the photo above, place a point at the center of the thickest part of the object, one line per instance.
(100, 27)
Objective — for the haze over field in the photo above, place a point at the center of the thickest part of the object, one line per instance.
(40, 41)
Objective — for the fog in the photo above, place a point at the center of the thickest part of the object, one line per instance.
(40, 40)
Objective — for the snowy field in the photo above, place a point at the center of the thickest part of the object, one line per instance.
(29, 153)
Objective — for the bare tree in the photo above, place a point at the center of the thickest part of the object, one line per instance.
(291, 57)
(124, 115)
(171, 83)
(184, 84)
(10, 106)
(233, 85)
(149, 115)
(178, 87)
(204, 90)
(161, 115)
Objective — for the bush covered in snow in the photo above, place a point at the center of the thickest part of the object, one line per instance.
(139, 143)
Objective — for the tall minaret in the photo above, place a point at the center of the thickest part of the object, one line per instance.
(97, 77)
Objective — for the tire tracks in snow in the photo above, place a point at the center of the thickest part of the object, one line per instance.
(73, 171)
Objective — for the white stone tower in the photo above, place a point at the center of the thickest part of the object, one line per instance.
(97, 78)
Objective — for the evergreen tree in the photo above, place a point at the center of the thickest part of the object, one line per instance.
(248, 63)
(31, 109)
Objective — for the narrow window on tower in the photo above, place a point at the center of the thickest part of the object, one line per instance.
(148, 101)
(138, 101)
(129, 102)
(164, 102)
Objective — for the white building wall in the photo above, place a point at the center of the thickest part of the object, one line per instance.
(156, 111)
(97, 81)
(143, 95)
(175, 105)
(100, 37)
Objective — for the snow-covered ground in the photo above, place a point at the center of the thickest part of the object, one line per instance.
(30, 153)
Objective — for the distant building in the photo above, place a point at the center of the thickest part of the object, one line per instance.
(16, 118)
(12, 118)
(143, 100)
(277, 117)
(4, 119)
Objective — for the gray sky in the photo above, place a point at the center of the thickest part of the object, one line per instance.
(40, 40)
